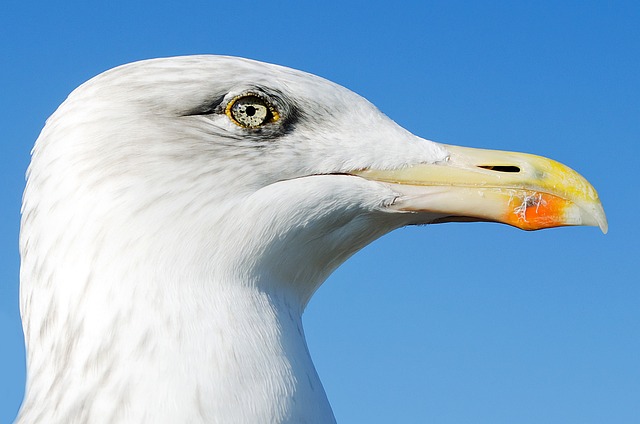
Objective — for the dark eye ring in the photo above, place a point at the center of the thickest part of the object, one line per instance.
(251, 111)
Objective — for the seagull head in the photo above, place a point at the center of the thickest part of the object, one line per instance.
(181, 180)
(258, 166)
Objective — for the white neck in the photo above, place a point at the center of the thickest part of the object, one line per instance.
(231, 354)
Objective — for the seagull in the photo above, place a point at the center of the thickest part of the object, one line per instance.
(179, 214)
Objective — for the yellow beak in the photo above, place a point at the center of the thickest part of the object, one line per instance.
(527, 191)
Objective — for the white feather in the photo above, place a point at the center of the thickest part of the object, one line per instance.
(167, 257)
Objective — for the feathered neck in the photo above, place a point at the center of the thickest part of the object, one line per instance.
(146, 345)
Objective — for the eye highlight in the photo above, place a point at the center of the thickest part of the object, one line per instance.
(251, 111)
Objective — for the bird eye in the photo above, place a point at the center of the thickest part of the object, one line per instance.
(251, 111)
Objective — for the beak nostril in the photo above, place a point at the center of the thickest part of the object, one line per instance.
(501, 168)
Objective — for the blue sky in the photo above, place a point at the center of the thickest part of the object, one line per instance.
(453, 323)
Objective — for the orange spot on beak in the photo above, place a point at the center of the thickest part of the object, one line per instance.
(533, 211)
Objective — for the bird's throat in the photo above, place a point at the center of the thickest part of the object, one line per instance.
(233, 353)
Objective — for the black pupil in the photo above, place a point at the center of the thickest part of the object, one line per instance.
(250, 110)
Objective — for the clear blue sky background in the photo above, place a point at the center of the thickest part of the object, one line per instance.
(457, 323)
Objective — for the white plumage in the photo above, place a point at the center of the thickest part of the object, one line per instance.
(170, 242)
